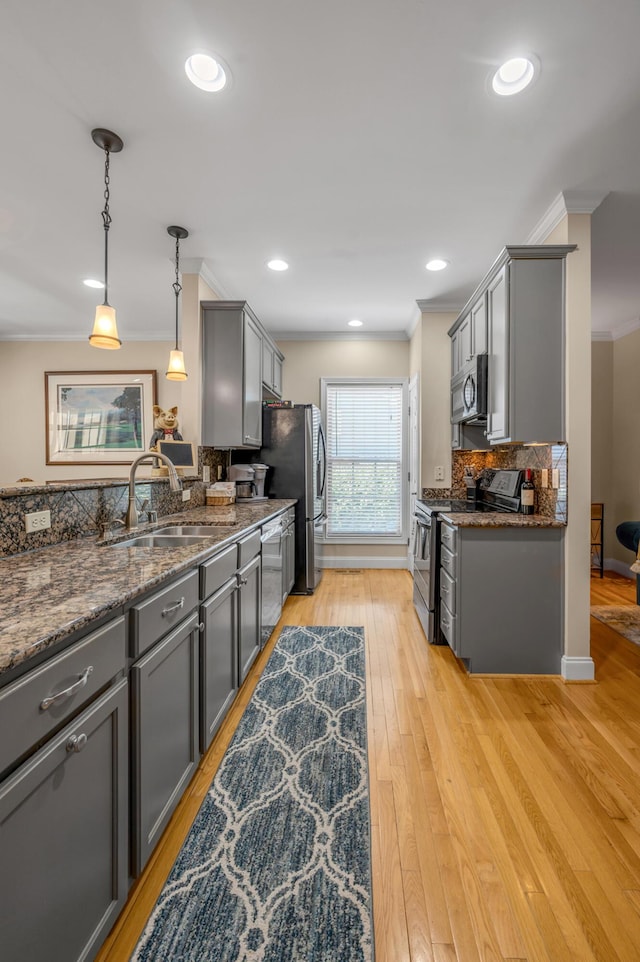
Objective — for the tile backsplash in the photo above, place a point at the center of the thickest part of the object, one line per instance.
(551, 502)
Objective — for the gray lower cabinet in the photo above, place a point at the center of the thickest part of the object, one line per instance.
(64, 838)
(218, 641)
(501, 607)
(289, 553)
(165, 704)
(249, 615)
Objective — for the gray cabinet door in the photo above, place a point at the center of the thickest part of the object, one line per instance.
(249, 615)
(277, 374)
(64, 839)
(165, 733)
(218, 659)
(479, 326)
(252, 394)
(498, 336)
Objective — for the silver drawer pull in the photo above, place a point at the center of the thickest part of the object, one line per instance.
(76, 743)
(59, 696)
(242, 581)
(176, 607)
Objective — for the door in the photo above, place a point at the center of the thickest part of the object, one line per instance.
(252, 393)
(249, 615)
(498, 336)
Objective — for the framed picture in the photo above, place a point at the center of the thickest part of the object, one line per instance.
(98, 417)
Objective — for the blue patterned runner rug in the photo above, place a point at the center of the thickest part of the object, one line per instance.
(276, 867)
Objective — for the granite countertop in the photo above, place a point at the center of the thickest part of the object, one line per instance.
(47, 594)
(500, 520)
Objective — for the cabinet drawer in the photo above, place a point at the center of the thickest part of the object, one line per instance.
(448, 590)
(448, 626)
(248, 548)
(448, 561)
(37, 703)
(215, 572)
(448, 537)
(155, 617)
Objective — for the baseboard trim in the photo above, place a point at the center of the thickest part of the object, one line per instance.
(329, 561)
(574, 668)
(620, 567)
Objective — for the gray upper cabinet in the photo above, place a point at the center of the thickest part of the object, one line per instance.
(517, 314)
(232, 375)
(240, 363)
(272, 360)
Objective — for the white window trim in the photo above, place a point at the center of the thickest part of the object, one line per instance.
(404, 506)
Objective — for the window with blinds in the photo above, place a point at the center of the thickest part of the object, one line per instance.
(366, 473)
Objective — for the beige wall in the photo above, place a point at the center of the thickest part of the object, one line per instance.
(602, 441)
(435, 407)
(576, 229)
(22, 368)
(307, 361)
(625, 501)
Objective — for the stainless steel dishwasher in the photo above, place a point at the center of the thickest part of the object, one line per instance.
(271, 538)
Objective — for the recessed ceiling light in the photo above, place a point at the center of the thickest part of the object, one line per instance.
(205, 72)
(277, 265)
(355, 323)
(513, 76)
(91, 283)
(437, 264)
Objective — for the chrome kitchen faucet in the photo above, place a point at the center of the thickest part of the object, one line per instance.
(174, 483)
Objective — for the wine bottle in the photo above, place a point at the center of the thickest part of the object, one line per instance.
(526, 493)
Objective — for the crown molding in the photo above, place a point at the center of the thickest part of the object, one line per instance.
(338, 336)
(621, 330)
(197, 265)
(427, 306)
(567, 202)
(602, 335)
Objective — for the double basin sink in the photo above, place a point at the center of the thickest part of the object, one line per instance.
(174, 536)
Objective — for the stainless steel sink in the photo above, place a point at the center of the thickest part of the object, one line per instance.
(202, 530)
(160, 541)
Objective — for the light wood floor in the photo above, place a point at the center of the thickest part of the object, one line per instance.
(505, 811)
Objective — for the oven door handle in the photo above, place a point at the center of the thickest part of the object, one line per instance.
(422, 533)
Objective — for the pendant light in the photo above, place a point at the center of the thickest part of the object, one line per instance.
(105, 330)
(175, 370)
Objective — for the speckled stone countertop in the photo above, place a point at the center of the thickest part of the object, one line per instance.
(500, 520)
(48, 594)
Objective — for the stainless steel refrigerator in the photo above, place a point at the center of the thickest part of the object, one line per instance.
(293, 445)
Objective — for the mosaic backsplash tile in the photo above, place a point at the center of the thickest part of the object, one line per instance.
(550, 502)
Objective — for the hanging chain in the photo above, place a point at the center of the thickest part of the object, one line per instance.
(177, 287)
(106, 220)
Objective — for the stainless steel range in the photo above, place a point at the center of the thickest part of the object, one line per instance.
(498, 491)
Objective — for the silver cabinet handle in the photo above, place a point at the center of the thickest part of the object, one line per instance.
(171, 608)
(201, 627)
(76, 743)
(242, 581)
(59, 696)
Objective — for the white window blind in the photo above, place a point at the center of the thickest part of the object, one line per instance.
(365, 470)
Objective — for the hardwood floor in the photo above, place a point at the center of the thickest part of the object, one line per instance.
(505, 811)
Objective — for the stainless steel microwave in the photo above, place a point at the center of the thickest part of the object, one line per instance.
(469, 392)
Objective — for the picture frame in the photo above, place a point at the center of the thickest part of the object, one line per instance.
(98, 417)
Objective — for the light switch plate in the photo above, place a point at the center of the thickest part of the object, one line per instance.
(555, 478)
(186, 494)
(206, 474)
(438, 473)
(544, 478)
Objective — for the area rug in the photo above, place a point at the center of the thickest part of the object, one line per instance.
(276, 866)
(625, 619)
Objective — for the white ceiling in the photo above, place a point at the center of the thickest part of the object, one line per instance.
(357, 140)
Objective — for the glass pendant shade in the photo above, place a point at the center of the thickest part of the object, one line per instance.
(105, 329)
(176, 370)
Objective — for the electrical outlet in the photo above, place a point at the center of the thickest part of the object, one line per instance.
(37, 521)
(438, 473)
(206, 474)
(186, 494)
(544, 478)
(555, 478)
